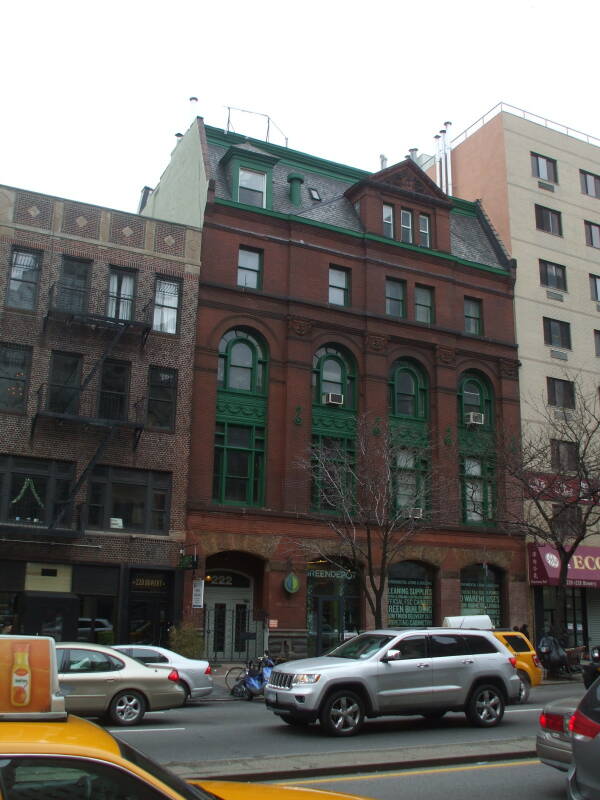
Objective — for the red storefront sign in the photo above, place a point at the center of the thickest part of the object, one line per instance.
(544, 566)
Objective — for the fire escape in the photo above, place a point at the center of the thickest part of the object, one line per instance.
(73, 400)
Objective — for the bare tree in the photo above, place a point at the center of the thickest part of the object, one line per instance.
(554, 475)
(376, 493)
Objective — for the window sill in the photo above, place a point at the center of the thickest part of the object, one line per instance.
(12, 413)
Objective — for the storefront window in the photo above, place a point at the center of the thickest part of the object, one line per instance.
(480, 592)
(410, 595)
(7, 612)
(574, 615)
(333, 608)
(96, 620)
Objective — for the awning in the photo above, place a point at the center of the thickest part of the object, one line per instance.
(544, 566)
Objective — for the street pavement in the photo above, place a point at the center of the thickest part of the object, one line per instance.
(341, 761)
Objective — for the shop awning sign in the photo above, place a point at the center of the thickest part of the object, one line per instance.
(544, 566)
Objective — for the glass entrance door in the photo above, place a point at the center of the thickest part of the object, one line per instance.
(149, 621)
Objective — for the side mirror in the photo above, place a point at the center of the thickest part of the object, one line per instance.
(391, 655)
(595, 655)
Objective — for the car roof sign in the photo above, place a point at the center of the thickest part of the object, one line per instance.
(29, 688)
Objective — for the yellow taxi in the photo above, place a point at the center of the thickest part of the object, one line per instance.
(74, 759)
(47, 754)
(528, 664)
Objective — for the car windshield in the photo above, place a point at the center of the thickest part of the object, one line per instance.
(362, 646)
(171, 780)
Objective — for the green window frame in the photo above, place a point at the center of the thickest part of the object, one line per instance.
(424, 230)
(252, 187)
(239, 464)
(339, 286)
(250, 263)
(333, 373)
(406, 226)
(473, 311)
(424, 304)
(475, 396)
(340, 456)
(242, 363)
(395, 298)
(409, 479)
(477, 490)
(408, 392)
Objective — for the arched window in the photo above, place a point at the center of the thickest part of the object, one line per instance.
(408, 391)
(242, 362)
(475, 404)
(410, 595)
(333, 377)
(480, 591)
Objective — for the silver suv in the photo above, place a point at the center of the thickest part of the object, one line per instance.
(424, 672)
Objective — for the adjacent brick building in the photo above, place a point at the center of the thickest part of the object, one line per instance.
(327, 293)
(97, 329)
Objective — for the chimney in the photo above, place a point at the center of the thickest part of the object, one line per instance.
(413, 153)
(383, 161)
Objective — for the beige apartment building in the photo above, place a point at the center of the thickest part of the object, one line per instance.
(539, 183)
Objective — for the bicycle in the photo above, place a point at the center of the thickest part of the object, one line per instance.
(235, 674)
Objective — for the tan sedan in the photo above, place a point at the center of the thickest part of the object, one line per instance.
(98, 681)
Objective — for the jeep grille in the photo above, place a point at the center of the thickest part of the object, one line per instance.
(282, 680)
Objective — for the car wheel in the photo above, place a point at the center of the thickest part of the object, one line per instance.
(434, 714)
(525, 686)
(342, 714)
(296, 722)
(186, 689)
(127, 708)
(486, 706)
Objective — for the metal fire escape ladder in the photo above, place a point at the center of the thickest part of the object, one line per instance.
(106, 354)
(83, 477)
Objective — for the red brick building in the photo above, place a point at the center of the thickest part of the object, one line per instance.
(327, 293)
(97, 327)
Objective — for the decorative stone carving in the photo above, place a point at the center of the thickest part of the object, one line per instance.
(378, 344)
(446, 356)
(301, 327)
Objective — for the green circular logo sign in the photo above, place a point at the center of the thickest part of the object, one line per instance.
(291, 583)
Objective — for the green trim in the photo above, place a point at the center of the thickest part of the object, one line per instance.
(337, 422)
(364, 236)
(464, 207)
(254, 480)
(236, 407)
(295, 181)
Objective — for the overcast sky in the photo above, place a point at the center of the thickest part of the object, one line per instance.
(94, 92)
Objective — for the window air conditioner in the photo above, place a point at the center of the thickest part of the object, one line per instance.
(415, 513)
(474, 418)
(332, 399)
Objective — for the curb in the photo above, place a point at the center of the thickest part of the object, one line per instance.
(351, 762)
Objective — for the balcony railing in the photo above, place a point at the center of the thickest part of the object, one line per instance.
(92, 407)
(70, 304)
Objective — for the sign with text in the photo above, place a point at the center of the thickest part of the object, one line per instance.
(198, 594)
(410, 603)
(28, 677)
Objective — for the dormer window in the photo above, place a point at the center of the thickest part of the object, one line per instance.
(388, 221)
(252, 187)
(314, 194)
(406, 226)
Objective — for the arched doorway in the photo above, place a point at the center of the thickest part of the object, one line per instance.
(233, 629)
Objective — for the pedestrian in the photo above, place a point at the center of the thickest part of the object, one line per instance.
(525, 629)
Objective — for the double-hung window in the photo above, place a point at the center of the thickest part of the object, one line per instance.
(249, 268)
(553, 276)
(560, 393)
(563, 455)
(252, 187)
(114, 390)
(424, 308)
(162, 395)
(23, 280)
(388, 221)
(592, 234)
(595, 287)
(167, 300)
(239, 464)
(548, 220)
(339, 286)
(477, 489)
(73, 287)
(121, 290)
(590, 183)
(557, 333)
(64, 391)
(408, 489)
(473, 316)
(15, 361)
(544, 168)
(395, 294)
(129, 499)
(406, 226)
(424, 231)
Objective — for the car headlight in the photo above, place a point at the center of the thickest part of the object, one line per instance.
(305, 678)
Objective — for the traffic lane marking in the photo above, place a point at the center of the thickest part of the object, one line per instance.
(406, 772)
(143, 730)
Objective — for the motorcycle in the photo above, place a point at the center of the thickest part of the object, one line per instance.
(253, 681)
(552, 655)
(592, 670)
